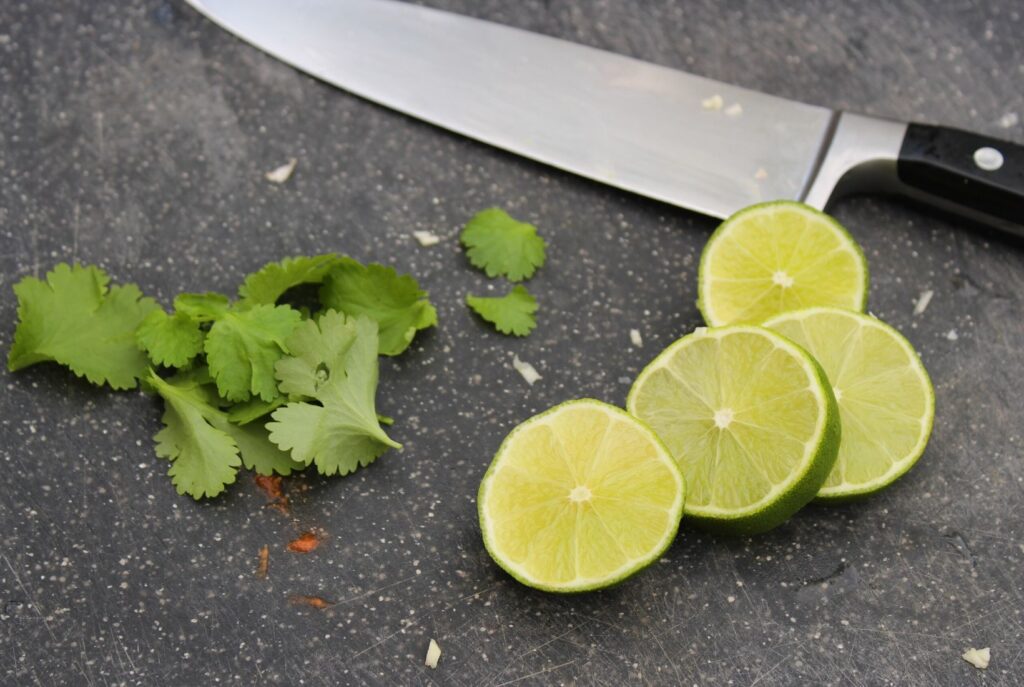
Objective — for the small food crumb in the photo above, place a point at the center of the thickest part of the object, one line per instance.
(1009, 120)
(281, 174)
(306, 542)
(314, 601)
(761, 174)
(978, 658)
(528, 371)
(734, 110)
(635, 338)
(261, 569)
(270, 485)
(922, 301)
(715, 102)
(952, 335)
(434, 653)
(427, 238)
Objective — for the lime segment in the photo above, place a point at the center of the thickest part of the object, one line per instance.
(751, 419)
(579, 497)
(774, 257)
(885, 398)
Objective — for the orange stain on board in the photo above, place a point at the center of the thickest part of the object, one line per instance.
(304, 543)
(314, 601)
(271, 486)
(264, 564)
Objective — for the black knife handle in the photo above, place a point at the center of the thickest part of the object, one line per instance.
(976, 172)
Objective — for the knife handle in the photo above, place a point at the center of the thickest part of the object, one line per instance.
(982, 175)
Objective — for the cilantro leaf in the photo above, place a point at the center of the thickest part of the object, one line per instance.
(335, 359)
(258, 453)
(510, 314)
(394, 301)
(73, 319)
(273, 279)
(248, 411)
(204, 457)
(242, 346)
(171, 340)
(202, 307)
(501, 245)
(312, 348)
(206, 449)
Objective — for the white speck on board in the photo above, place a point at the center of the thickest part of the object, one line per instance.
(715, 102)
(281, 174)
(427, 238)
(528, 371)
(952, 335)
(635, 338)
(978, 658)
(922, 301)
(433, 655)
(1009, 120)
(734, 110)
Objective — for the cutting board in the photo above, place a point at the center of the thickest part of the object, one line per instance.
(136, 135)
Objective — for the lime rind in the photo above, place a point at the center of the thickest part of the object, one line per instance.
(614, 577)
(802, 484)
(860, 299)
(849, 491)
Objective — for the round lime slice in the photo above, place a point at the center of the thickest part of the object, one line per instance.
(751, 419)
(579, 497)
(885, 398)
(774, 257)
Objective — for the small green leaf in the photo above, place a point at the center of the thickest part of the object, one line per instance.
(249, 411)
(73, 319)
(501, 245)
(202, 307)
(272, 280)
(258, 453)
(170, 340)
(242, 347)
(512, 313)
(394, 301)
(204, 457)
(343, 433)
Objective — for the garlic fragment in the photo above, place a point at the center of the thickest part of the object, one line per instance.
(978, 658)
(281, 174)
(427, 238)
(433, 654)
(715, 102)
(528, 371)
(923, 300)
(734, 110)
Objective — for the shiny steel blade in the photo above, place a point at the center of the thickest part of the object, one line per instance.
(621, 121)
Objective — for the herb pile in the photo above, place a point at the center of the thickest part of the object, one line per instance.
(250, 382)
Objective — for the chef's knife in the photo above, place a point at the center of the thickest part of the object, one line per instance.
(662, 133)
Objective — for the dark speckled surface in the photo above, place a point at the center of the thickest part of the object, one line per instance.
(136, 134)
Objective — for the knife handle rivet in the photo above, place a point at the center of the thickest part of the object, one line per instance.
(988, 159)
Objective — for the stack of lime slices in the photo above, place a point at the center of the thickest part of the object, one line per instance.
(793, 394)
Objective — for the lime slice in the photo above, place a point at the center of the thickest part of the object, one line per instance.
(751, 419)
(885, 398)
(771, 258)
(579, 497)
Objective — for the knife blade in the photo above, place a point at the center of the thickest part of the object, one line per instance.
(676, 137)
